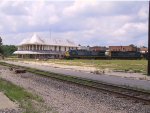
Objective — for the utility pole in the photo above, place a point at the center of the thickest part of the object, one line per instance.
(148, 69)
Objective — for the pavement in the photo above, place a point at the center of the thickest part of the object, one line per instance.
(141, 84)
(6, 103)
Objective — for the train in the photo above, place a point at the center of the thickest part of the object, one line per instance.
(87, 54)
(125, 55)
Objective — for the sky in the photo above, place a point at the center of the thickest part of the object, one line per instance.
(85, 22)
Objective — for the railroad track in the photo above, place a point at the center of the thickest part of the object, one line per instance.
(127, 92)
(135, 94)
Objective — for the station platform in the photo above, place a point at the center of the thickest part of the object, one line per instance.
(141, 84)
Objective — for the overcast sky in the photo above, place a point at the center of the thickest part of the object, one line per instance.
(84, 22)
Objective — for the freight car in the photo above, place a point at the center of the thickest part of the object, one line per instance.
(125, 55)
(85, 54)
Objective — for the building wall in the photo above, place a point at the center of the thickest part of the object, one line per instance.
(62, 48)
(67, 48)
(144, 50)
(44, 47)
(83, 48)
(98, 48)
(122, 48)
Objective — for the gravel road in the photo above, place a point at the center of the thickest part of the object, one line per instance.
(63, 97)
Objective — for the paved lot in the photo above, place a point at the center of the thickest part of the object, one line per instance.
(143, 84)
(6, 103)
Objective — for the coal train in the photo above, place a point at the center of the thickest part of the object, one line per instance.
(86, 54)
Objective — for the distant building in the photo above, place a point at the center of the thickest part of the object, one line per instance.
(123, 48)
(83, 47)
(38, 48)
(143, 50)
(98, 48)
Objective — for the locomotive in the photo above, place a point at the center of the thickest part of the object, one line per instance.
(125, 55)
(87, 54)
(84, 54)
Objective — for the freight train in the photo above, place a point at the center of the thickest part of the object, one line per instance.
(86, 54)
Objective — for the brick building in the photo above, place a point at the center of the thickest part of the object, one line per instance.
(123, 48)
(98, 48)
(144, 50)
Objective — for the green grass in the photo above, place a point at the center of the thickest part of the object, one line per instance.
(139, 66)
(18, 94)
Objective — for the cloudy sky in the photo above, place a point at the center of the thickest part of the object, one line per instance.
(84, 22)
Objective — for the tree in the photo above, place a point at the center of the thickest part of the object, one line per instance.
(1, 41)
(144, 47)
(1, 50)
(8, 50)
(132, 45)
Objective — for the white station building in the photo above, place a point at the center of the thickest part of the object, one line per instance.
(38, 48)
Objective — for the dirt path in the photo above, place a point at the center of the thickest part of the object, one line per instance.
(6, 105)
(64, 97)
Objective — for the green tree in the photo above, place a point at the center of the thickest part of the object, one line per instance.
(8, 50)
(1, 50)
(1, 41)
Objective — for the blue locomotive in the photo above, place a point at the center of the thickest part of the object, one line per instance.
(87, 54)
(125, 55)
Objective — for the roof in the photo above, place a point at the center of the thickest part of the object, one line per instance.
(37, 52)
(143, 49)
(35, 39)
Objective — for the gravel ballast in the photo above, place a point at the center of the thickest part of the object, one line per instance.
(63, 97)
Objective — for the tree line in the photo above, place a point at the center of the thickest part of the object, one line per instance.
(7, 50)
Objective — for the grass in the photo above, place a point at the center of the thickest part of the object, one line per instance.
(137, 66)
(14, 92)
(19, 95)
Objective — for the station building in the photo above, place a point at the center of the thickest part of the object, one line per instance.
(37, 48)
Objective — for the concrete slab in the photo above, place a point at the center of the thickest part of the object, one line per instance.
(6, 103)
